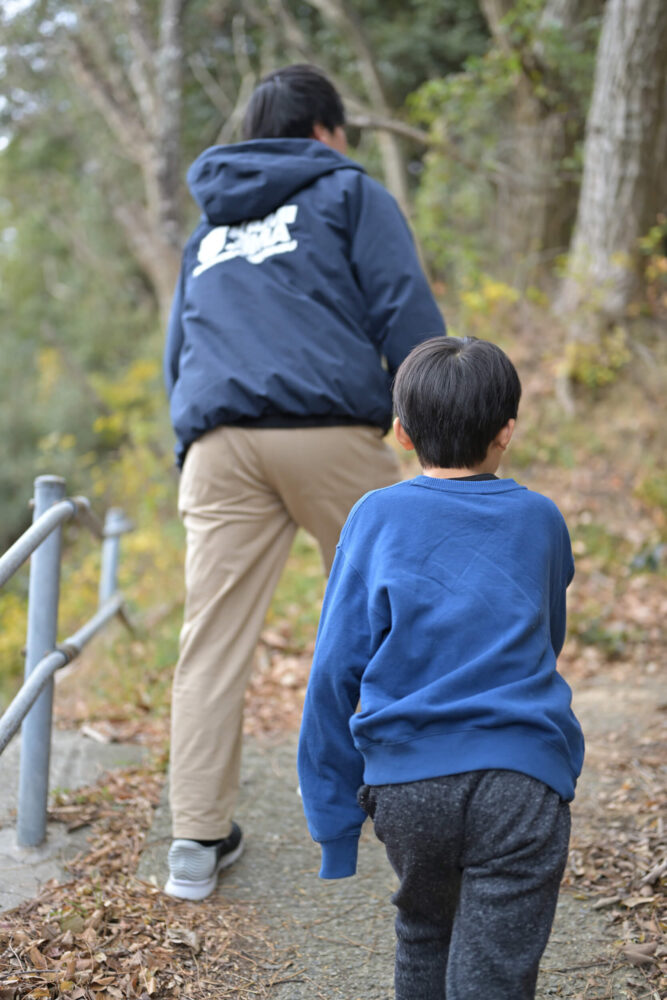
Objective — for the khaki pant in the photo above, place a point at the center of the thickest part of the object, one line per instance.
(243, 493)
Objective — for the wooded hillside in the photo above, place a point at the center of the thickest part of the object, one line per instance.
(525, 141)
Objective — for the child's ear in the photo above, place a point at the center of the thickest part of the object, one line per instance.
(504, 435)
(319, 132)
(402, 436)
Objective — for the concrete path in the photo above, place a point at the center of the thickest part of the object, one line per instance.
(76, 761)
(340, 933)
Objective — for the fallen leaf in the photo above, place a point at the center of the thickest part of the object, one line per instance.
(601, 904)
(637, 954)
(183, 935)
(90, 937)
(37, 959)
(73, 922)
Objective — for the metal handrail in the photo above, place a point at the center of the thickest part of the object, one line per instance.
(40, 529)
(32, 706)
(41, 674)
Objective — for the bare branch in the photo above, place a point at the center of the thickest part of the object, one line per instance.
(141, 71)
(142, 42)
(239, 41)
(102, 59)
(157, 258)
(494, 11)
(371, 121)
(169, 92)
(298, 47)
(211, 87)
(233, 121)
(248, 81)
(116, 112)
(297, 43)
(342, 15)
(426, 140)
(338, 13)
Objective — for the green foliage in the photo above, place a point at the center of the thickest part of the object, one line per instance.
(470, 115)
(485, 306)
(73, 304)
(421, 39)
(652, 490)
(455, 199)
(654, 250)
(595, 541)
(551, 447)
(597, 362)
(611, 639)
(413, 41)
(559, 65)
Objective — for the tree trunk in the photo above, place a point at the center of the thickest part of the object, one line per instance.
(537, 200)
(624, 163)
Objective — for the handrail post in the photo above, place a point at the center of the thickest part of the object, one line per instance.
(114, 525)
(43, 594)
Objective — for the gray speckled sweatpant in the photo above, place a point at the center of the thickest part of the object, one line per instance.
(480, 856)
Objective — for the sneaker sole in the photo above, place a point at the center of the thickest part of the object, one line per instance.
(189, 889)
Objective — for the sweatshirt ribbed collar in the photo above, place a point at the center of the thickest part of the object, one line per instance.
(466, 485)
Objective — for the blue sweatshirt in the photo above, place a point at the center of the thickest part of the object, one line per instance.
(443, 617)
(300, 293)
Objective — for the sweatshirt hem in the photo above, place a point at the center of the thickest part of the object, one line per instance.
(469, 750)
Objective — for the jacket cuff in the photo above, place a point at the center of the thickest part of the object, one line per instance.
(339, 857)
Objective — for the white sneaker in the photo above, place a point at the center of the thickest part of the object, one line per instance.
(193, 868)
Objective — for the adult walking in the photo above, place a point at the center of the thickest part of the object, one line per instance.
(300, 293)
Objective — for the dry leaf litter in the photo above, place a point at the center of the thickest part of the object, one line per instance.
(106, 935)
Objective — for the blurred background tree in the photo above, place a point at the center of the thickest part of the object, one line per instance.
(624, 184)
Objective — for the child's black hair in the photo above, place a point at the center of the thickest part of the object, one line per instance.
(453, 395)
(288, 102)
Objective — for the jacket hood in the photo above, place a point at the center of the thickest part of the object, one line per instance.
(248, 180)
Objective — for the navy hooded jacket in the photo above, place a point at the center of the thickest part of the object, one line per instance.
(300, 293)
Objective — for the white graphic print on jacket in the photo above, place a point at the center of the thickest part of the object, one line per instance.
(255, 240)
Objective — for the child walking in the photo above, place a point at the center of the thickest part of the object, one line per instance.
(442, 622)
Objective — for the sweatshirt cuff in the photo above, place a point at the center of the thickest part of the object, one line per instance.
(339, 857)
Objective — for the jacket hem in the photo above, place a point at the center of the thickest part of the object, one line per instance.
(280, 421)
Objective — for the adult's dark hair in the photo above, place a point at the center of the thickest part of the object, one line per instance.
(452, 396)
(288, 102)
